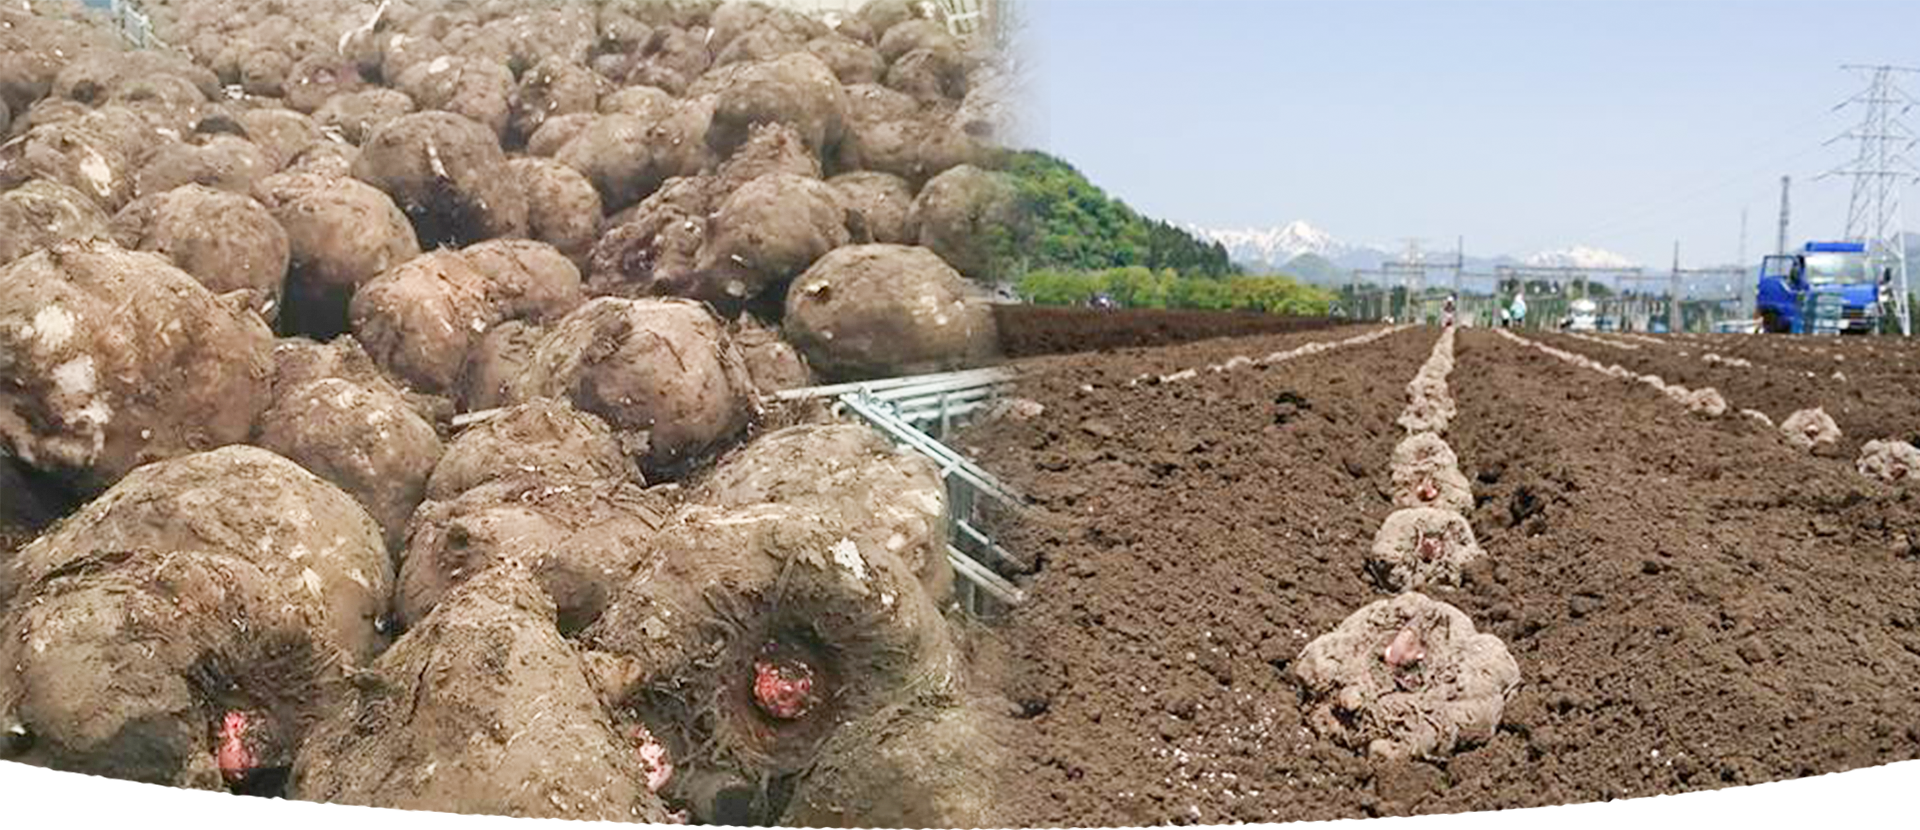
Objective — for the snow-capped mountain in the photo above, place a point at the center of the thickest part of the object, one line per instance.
(1578, 256)
(1274, 247)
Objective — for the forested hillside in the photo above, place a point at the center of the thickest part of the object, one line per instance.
(1074, 225)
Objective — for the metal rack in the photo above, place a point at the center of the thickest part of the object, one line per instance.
(912, 412)
(964, 18)
(134, 24)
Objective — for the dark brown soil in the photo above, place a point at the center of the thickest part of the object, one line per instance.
(1870, 400)
(1692, 604)
(1801, 352)
(1029, 330)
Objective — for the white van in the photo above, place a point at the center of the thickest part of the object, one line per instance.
(1583, 315)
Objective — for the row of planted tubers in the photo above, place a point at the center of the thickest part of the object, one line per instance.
(1612, 344)
(1890, 460)
(1271, 359)
(1410, 677)
(1705, 401)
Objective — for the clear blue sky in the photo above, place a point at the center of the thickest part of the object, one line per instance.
(1520, 125)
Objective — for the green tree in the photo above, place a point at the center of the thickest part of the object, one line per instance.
(1059, 287)
(1069, 223)
(1139, 287)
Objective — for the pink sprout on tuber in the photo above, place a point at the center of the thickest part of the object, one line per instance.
(653, 755)
(1429, 547)
(234, 757)
(783, 688)
(1405, 650)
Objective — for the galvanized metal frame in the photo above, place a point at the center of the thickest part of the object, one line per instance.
(134, 23)
(915, 412)
(966, 19)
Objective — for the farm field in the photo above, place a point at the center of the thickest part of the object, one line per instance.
(1032, 330)
(1692, 603)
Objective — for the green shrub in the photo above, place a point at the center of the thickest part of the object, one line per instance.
(1138, 287)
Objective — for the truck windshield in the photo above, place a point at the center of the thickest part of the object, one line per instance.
(1832, 268)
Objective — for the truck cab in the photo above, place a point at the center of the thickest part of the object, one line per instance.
(1827, 288)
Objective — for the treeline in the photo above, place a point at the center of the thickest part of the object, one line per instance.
(1074, 241)
(1138, 287)
(1072, 225)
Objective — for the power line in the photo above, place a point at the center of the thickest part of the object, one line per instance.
(1653, 214)
(1636, 217)
(1780, 245)
(1881, 170)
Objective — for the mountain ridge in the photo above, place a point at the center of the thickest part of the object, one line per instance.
(1274, 248)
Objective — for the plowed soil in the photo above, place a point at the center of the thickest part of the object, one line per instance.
(1869, 394)
(1692, 604)
(1029, 330)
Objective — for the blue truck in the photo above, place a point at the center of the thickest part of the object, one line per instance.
(1826, 288)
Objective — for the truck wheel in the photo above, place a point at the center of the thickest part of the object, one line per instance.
(1770, 323)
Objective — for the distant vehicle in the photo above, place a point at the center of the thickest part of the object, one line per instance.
(1104, 302)
(1826, 288)
(1737, 327)
(1583, 315)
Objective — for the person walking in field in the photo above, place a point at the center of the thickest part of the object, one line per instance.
(1446, 318)
(1519, 308)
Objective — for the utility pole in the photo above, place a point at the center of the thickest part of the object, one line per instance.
(1416, 276)
(1353, 292)
(1741, 260)
(1741, 256)
(1459, 264)
(1673, 303)
(1780, 246)
(1412, 268)
(1880, 171)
